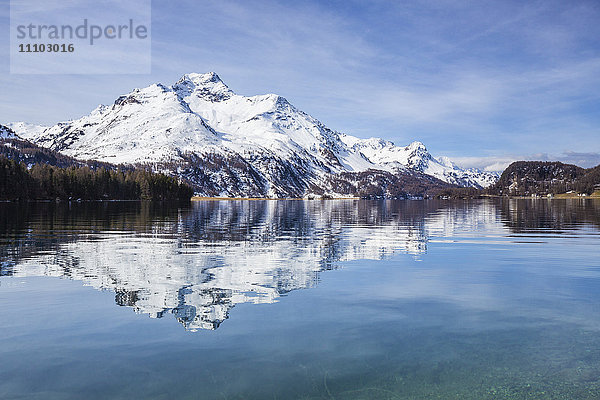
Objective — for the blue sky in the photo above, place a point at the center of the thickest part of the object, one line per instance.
(483, 82)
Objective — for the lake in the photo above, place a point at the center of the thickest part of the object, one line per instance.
(340, 299)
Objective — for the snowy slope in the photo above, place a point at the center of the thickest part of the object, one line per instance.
(228, 144)
(266, 121)
(147, 125)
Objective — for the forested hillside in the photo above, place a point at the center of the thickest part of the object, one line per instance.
(525, 178)
(47, 182)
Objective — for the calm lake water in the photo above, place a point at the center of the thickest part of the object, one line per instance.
(301, 300)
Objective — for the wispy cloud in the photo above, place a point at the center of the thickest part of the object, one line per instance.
(585, 160)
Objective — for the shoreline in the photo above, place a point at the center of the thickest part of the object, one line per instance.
(595, 195)
(203, 198)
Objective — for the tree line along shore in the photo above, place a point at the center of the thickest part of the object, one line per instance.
(48, 182)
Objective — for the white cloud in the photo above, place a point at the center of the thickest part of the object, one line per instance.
(585, 160)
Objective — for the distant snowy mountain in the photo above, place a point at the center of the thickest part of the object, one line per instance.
(231, 145)
(416, 157)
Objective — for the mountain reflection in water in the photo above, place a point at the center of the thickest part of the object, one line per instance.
(198, 261)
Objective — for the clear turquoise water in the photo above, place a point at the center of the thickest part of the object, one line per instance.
(301, 300)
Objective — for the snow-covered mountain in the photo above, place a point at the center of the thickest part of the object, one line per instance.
(416, 157)
(232, 145)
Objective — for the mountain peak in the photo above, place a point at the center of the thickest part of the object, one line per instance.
(209, 77)
(416, 145)
(208, 86)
